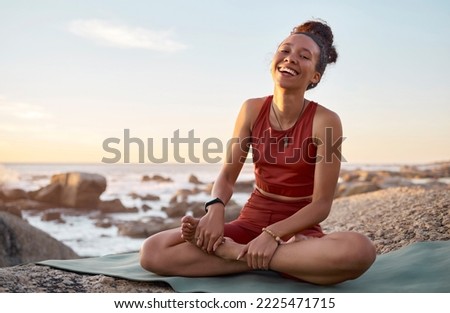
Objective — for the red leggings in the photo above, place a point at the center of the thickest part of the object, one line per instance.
(261, 211)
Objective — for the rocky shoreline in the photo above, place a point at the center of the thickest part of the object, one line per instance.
(389, 207)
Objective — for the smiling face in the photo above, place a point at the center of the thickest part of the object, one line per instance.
(294, 63)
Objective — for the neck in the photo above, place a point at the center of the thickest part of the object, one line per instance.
(288, 105)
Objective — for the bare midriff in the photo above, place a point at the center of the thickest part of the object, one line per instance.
(282, 198)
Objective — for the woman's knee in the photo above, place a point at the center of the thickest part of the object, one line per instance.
(354, 253)
(359, 252)
(153, 256)
(148, 257)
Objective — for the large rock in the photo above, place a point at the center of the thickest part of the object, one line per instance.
(20, 242)
(50, 194)
(114, 206)
(31, 278)
(80, 190)
(13, 194)
(354, 188)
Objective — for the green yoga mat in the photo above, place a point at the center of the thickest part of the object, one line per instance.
(420, 267)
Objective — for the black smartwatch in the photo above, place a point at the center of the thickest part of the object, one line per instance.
(216, 200)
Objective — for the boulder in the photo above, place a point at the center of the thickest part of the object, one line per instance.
(178, 209)
(52, 215)
(80, 190)
(32, 278)
(10, 209)
(232, 211)
(114, 206)
(156, 178)
(50, 194)
(20, 242)
(194, 180)
(354, 188)
(144, 229)
(27, 205)
(147, 197)
(244, 186)
(14, 194)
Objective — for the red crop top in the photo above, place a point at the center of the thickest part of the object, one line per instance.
(279, 169)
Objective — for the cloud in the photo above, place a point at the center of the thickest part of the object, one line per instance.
(21, 110)
(123, 36)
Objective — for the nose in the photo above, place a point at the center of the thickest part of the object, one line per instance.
(289, 59)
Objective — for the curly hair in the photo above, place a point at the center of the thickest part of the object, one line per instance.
(322, 35)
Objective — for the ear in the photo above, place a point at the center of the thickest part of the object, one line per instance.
(316, 78)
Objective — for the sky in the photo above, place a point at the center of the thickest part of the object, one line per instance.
(80, 79)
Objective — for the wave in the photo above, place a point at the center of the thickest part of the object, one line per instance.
(8, 176)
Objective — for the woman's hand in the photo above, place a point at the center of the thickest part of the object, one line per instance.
(209, 233)
(259, 251)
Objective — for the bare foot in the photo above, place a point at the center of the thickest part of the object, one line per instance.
(230, 250)
(188, 228)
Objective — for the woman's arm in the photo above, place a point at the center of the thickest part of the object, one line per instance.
(210, 228)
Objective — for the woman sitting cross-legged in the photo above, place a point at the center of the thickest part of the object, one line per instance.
(295, 145)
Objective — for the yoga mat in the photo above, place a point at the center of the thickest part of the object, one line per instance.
(421, 267)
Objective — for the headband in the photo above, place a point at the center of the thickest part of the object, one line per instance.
(315, 38)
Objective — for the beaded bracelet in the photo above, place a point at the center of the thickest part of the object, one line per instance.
(277, 238)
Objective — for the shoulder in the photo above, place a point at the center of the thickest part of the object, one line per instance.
(254, 104)
(325, 119)
(251, 108)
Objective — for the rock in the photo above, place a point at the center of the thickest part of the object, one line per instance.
(197, 209)
(141, 229)
(23, 243)
(104, 223)
(178, 209)
(354, 188)
(114, 206)
(80, 190)
(194, 180)
(10, 209)
(28, 205)
(147, 197)
(393, 181)
(232, 211)
(208, 188)
(50, 194)
(14, 194)
(150, 197)
(182, 195)
(52, 216)
(31, 278)
(156, 178)
(244, 186)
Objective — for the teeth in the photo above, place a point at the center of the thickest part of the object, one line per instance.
(288, 70)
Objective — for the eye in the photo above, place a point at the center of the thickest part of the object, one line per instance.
(284, 50)
(305, 57)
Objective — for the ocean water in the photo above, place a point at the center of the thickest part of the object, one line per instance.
(81, 234)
